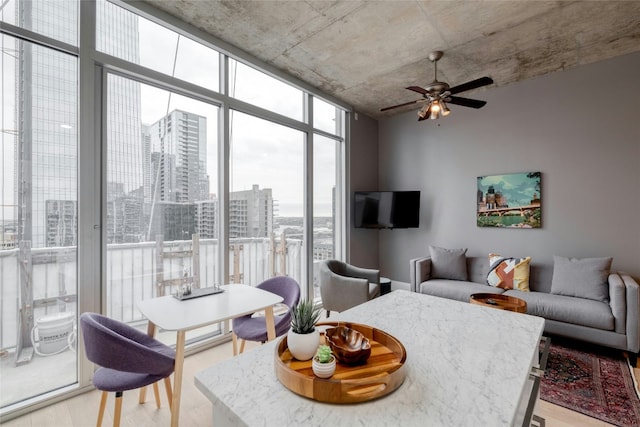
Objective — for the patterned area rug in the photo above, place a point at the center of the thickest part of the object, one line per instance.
(592, 380)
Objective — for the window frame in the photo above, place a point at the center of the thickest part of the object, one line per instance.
(93, 68)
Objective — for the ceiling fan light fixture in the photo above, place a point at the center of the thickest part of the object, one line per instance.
(435, 110)
(444, 110)
(436, 94)
(424, 111)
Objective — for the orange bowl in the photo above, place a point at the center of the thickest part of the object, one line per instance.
(348, 345)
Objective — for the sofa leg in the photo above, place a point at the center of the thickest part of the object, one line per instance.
(633, 359)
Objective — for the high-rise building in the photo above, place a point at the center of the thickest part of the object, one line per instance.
(46, 157)
(174, 221)
(207, 219)
(178, 157)
(178, 174)
(62, 222)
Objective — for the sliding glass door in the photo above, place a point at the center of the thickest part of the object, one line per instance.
(161, 203)
(265, 200)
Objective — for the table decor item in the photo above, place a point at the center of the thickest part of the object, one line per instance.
(381, 374)
(324, 363)
(303, 337)
(189, 293)
(350, 346)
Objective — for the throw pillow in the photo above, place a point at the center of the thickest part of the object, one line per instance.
(448, 263)
(509, 273)
(581, 277)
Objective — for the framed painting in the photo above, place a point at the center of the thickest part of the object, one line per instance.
(510, 201)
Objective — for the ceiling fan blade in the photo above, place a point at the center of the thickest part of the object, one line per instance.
(466, 102)
(417, 89)
(473, 84)
(402, 105)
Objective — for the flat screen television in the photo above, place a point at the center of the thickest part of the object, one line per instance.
(386, 209)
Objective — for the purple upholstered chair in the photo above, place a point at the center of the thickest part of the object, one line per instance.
(128, 359)
(250, 328)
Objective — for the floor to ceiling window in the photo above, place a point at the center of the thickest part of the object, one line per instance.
(38, 214)
(162, 167)
(214, 169)
(328, 222)
(160, 209)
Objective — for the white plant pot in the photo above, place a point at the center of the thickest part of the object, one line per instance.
(323, 370)
(303, 346)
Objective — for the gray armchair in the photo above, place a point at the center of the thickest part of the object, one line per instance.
(343, 286)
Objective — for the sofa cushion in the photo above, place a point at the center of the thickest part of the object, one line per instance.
(578, 311)
(455, 289)
(448, 263)
(583, 278)
(508, 273)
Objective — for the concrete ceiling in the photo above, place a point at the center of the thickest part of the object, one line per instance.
(366, 52)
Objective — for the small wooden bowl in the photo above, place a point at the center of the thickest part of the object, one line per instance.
(348, 345)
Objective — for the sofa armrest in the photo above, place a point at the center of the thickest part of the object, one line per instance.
(373, 276)
(633, 312)
(617, 301)
(420, 271)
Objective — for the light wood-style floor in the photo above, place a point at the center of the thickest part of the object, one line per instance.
(81, 411)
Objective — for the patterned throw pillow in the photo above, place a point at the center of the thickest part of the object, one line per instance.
(509, 273)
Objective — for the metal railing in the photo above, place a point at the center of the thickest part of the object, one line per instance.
(130, 276)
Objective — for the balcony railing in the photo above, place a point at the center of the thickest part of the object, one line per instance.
(130, 276)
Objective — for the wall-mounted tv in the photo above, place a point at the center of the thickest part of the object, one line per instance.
(386, 209)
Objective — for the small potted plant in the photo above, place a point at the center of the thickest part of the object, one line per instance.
(324, 363)
(303, 337)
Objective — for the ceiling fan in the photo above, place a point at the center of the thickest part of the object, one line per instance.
(436, 95)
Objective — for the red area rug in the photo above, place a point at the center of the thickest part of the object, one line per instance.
(592, 380)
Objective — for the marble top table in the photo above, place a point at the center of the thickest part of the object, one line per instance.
(467, 365)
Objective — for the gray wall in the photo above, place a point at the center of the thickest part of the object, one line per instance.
(580, 128)
(363, 176)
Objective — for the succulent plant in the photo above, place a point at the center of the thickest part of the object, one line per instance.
(324, 354)
(304, 317)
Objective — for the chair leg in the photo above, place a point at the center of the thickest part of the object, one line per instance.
(242, 343)
(328, 313)
(143, 395)
(167, 387)
(156, 393)
(235, 343)
(103, 403)
(118, 411)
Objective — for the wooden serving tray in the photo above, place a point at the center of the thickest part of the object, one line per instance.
(499, 301)
(382, 373)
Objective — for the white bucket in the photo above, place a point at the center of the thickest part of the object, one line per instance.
(53, 331)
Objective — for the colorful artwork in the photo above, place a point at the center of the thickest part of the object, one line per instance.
(510, 201)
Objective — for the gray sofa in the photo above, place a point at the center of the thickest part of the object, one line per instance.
(612, 324)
